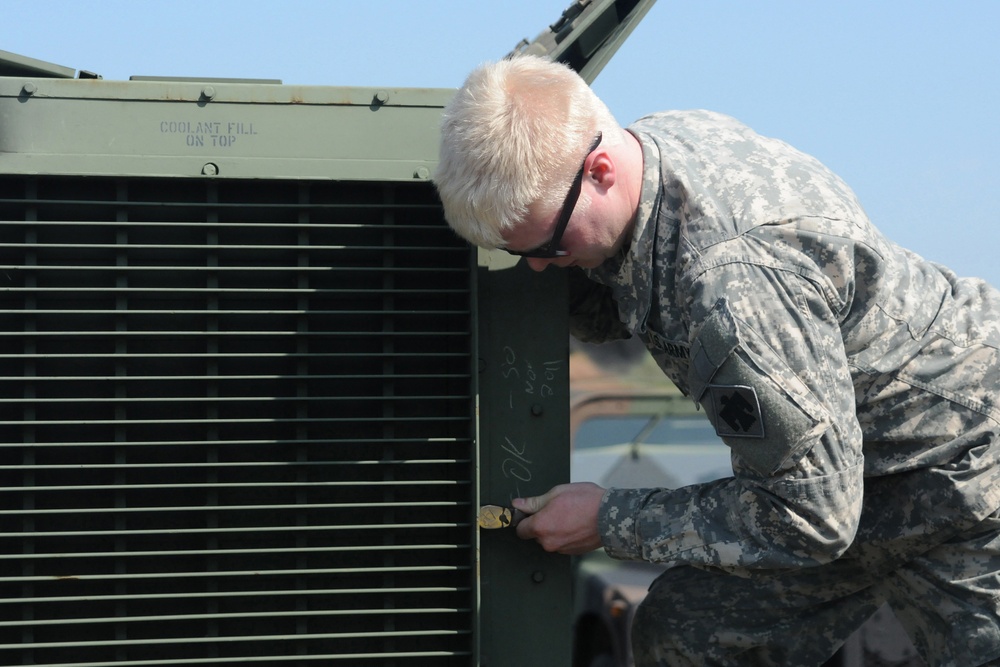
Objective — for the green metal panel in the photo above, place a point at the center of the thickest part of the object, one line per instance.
(523, 449)
(217, 130)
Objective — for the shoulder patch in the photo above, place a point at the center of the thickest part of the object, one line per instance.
(737, 410)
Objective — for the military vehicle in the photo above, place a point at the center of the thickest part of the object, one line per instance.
(253, 388)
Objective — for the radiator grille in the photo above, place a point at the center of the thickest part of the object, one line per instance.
(237, 423)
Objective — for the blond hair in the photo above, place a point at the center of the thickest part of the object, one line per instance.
(513, 136)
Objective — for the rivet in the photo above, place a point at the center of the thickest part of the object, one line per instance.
(208, 92)
(210, 169)
(538, 576)
(382, 96)
(537, 409)
(423, 173)
(29, 88)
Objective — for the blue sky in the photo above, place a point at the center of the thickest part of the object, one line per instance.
(899, 97)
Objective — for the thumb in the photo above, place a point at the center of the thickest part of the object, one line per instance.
(534, 504)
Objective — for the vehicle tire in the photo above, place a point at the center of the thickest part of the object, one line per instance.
(602, 660)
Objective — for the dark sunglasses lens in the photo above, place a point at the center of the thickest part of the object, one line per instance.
(542, 253)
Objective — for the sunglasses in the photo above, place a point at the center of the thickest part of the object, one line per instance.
(551, 249)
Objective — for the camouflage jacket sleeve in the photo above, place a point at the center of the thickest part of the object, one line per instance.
(770, 370)
(820, 351)
(593, 313)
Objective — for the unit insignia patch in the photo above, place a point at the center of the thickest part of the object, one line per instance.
(738, 411)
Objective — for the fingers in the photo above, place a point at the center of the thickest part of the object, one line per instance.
(530, 506)
(525, 528)
(564, 519)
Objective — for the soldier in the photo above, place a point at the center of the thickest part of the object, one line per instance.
(857, 384)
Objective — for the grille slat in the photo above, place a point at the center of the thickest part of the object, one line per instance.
(220, 616)
(236, 424)
(421, 591)
(412, 657)
(153, 641)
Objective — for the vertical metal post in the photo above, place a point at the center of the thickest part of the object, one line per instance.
(526, 605)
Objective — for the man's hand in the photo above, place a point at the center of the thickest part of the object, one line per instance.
(564, 519)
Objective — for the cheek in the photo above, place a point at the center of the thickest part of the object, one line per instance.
(579, 236)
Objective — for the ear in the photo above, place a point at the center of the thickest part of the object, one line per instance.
(601, 169)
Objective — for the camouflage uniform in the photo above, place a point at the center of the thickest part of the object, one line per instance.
(857, 385)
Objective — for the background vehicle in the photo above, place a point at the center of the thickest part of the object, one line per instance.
(631, 440)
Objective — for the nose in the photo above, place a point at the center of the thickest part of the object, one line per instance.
(537, 263)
